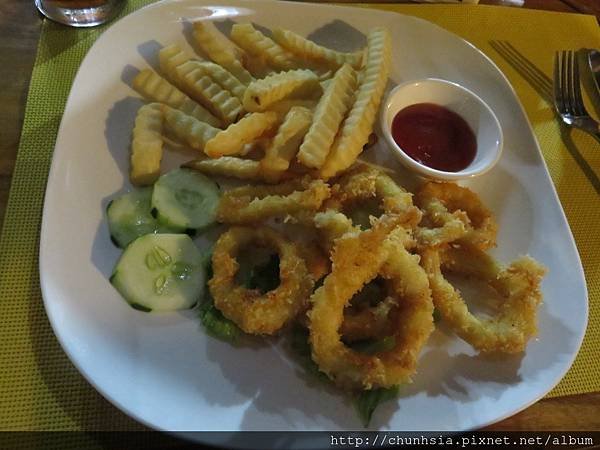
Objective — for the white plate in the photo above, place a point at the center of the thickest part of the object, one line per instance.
(165, 372)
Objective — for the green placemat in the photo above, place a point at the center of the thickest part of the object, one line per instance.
(41, 388)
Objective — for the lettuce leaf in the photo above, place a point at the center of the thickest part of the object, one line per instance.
(366, 402)
(216, 324)
(211, 318)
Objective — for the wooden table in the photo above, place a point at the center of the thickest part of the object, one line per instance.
(19, 33)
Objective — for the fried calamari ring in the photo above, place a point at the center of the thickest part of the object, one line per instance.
(518, 285)
(364, 182)
(331, 225)
(358, 258)
(251, 204)
(253, 312)
(457, 213)
(365, 323)
(317, 262)
(372, 322)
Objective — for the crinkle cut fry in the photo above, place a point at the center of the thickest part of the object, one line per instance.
(308, 49)
(263, 93)
(227, 166)
(224, 78)
(146, 145)
(232, 140)
(169, 58)
(357, 126)
(253, 312)
(329, 113)
(518, 285)
(251, 204)
(222, 51)
(357, 259)
(155, 88)
(260, 46)
(202, 88)
(285, 144)
(187, 128)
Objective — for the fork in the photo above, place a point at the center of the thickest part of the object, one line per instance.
(567, 94)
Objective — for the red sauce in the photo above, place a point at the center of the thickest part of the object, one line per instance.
(435, 136)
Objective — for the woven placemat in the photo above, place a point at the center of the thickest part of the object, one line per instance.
(41, 388)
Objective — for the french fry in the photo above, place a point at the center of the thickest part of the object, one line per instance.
(177, 66)
(357, 126)
(308, 49)
(261, 94)
(146, 145)
(188, 129)
(259, 45)
(222, 51)
(156, 89)
(283, 107)
(211, 95)
(224, 78)
(330, 112)
(325, 76)
(227, 166)
(232, 140)
(169, 58)
(191, 78)
(258, 67)
(285, 145)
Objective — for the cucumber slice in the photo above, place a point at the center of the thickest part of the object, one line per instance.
(161, 272)
(129, 217)
(184, 199)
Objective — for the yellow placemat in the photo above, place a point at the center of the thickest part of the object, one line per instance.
(41, 390)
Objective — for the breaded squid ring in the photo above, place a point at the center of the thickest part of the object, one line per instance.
(372, 322)
(364, 182)
(331, 225)
(357, 259)
(317, 262)
(251, 204)
(253, 312)
(457, 213)
(518, 284)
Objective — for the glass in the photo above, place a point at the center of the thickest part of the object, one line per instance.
(79, 13)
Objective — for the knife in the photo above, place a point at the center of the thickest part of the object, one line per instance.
(593, 64)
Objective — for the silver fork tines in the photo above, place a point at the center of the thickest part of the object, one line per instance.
(567, 94)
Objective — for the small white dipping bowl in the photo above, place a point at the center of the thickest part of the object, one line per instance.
(478, 115)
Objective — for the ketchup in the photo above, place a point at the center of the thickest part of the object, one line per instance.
(434, 136)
